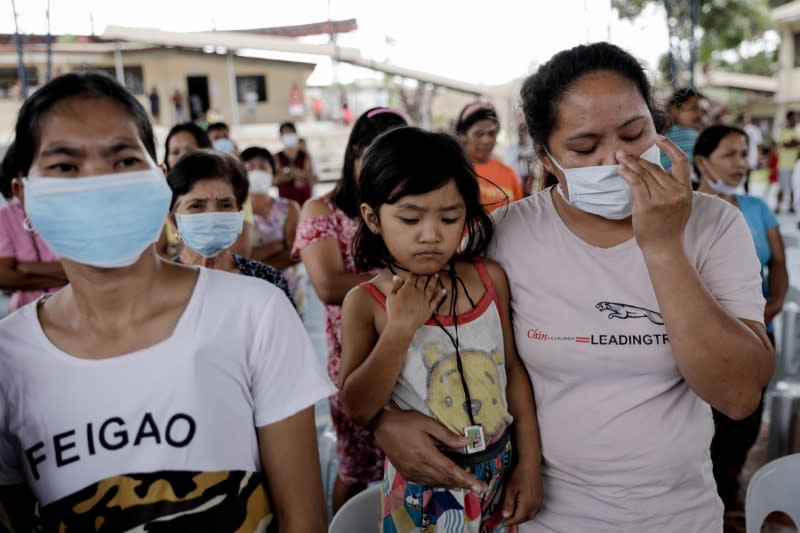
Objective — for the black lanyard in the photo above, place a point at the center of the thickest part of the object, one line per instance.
(454, 281)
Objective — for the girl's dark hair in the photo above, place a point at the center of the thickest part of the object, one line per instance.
(208, 164)
(368, 126)
(543, 91)
(475, 112)
(192, 129)
(258, 151)
(709, 140)
(8, 171)
(409, 161)
(679, 98)
(86, 85)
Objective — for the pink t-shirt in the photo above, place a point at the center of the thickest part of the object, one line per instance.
(17, 243)
(625, 441)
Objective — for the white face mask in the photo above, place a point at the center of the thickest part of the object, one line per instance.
(716, 183)
(290, 140)
(600, 190)
(260, 181)
(720, 187)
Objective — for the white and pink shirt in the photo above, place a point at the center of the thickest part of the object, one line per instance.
(625, 440)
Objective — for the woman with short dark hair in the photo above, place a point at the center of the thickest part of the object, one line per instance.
(209, 189)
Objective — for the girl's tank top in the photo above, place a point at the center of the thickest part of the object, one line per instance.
(429, 381)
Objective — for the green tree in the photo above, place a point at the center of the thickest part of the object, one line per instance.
(723, 26)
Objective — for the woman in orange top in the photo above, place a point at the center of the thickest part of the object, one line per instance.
(477, 127)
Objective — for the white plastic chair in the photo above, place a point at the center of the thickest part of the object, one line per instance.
(774, 487)
(361, 514)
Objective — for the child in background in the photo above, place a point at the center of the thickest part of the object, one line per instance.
(687, 109)
(432, 333)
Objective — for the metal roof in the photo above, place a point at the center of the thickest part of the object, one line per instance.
(238, 40)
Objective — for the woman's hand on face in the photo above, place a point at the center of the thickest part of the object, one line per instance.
(413, 301)
(408, 439)
(662, 202)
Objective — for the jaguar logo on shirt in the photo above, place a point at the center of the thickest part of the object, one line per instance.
(617, 310)
(625, 311)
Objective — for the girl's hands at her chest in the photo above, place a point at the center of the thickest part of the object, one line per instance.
(412, 301)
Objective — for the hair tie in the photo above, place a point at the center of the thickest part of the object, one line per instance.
(384, 110)
(477, 106)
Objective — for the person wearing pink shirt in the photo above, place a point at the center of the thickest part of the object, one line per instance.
(27, 266)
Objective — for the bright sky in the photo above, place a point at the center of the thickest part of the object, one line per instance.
(479, 41)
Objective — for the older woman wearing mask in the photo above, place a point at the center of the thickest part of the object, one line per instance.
(182, 140)
(208, 191)
(636, 305)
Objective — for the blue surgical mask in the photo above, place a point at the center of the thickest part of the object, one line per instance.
(102, 221)
(210, 233)
(600, 190)
(225, 145)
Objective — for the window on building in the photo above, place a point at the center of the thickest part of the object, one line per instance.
(248, 86)
(797, 49)
(134, 80)
(9, 77)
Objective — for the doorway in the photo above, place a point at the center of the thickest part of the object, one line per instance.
(197, 89)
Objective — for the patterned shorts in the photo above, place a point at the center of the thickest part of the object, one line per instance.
(408, 507)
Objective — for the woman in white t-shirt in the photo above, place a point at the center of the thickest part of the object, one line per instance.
(145, 394)
(636, 303)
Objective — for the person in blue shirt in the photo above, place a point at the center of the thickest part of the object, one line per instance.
(720, 160)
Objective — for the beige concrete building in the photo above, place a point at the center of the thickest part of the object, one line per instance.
(216, 70)
(238, 89)
(215, 73)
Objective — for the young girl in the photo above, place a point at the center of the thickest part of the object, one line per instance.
(431, 333)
